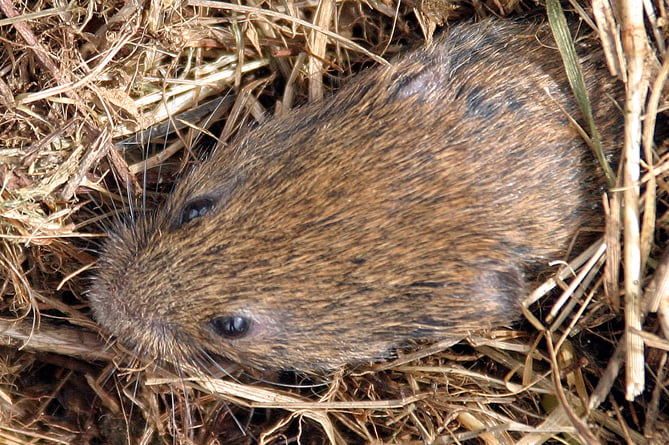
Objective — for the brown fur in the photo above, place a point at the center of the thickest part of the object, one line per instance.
(412, 205)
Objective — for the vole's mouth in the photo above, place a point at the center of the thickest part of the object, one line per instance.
(143, 333)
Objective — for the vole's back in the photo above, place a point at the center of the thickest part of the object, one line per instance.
(410, 205)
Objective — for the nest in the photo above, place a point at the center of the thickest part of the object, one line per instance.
(100, 101)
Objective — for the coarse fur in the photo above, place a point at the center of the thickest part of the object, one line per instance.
(415, 204)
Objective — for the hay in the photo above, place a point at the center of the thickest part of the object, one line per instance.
(98, 100)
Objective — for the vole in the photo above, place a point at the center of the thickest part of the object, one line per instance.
(417, 203)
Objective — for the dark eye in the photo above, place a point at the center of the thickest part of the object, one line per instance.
(195, 209)
(231, 327)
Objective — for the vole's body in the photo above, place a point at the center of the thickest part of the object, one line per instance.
(413, 204)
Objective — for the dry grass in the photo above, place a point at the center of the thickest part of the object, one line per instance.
(79, 80)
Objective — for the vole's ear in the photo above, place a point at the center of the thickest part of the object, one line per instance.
(483, 292)
(418, 79)
(499, 286)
